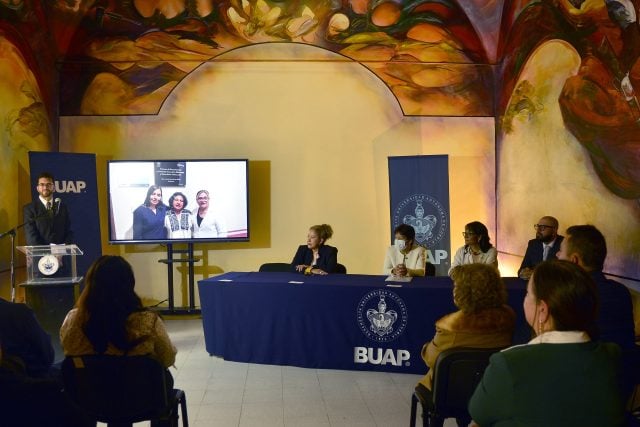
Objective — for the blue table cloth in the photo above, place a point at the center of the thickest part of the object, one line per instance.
(356, 322)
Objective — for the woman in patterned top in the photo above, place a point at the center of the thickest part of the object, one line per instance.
(109, 317)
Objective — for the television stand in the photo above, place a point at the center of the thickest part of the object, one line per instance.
(170, 261)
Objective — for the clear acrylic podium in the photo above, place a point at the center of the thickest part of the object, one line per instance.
(52, 285)
(47, 264)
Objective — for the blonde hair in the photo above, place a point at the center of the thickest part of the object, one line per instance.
(324, 231)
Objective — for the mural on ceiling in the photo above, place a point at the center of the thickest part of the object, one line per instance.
(569, 104)
(125, 57)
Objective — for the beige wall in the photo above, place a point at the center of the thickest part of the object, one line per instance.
(320, 132)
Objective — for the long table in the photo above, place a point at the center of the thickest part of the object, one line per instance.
(355, 322)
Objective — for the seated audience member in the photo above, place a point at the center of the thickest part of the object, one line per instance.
(35, 402)
(23, 340)
(544, 247)
(477, 247)
(562, 377)
(405, 257)
(316, 257)
(483, 319)
(109, 317)
(586, 246)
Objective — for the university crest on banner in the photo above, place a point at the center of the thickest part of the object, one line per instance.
(419, 196)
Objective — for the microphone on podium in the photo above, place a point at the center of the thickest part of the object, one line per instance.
(57, 202)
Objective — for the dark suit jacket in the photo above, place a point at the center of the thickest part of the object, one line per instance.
(533, 256)
(42, 228)
(327, 261)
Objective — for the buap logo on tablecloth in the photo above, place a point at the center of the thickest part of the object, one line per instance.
(425, 214)
(382, 317)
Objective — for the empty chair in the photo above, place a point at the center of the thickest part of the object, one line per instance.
(123, 389)
(456, 375)
(275, 267)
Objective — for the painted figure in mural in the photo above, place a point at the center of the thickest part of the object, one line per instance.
(483, 319)
(405, 257)
(477, 247)
(561, 305)
(47, 219)
(316, 257)
(545, 246)
(148, 218)
(178, 221)
(207, 224)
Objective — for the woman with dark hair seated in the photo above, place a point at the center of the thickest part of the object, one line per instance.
(316, 257)
(405, 257)
(477, 247)
(562, 377)
(109, 317)
(483, 319)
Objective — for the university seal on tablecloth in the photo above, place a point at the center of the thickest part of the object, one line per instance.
(425, 214)
(382, 315)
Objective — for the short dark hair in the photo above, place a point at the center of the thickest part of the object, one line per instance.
(173, 196)
(570, 294)
(406, 230)
(588, 242)
(480, 230)
(47, 175)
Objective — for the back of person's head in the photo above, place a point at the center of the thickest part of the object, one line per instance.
(107, 301)
(570, 294)
(406, 230)
(323, 231)
(477, 287)
(589, 244)
(482, 232)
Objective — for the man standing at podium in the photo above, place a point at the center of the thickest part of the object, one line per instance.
(47, 219)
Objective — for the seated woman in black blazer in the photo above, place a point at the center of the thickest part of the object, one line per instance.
(315, 257)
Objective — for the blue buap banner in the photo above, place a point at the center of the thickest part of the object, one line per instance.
(77, 187)
(419, 196)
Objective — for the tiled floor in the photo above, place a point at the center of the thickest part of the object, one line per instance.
(221, 393)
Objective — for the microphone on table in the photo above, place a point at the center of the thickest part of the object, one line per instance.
(56, 208)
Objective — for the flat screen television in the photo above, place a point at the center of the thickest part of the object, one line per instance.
(175, 201)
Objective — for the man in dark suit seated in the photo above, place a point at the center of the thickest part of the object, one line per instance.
(544, 247)
(46, 220)
(585, 245)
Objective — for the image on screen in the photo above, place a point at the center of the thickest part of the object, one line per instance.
(164, 201)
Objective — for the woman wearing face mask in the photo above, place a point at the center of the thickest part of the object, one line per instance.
(405, 257)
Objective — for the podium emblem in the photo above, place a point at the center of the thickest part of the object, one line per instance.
(48, 265)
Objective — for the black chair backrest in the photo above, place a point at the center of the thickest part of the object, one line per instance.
(275, 267)
(457, 373)
(340, 269)
(116, 388)
(429, 269)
